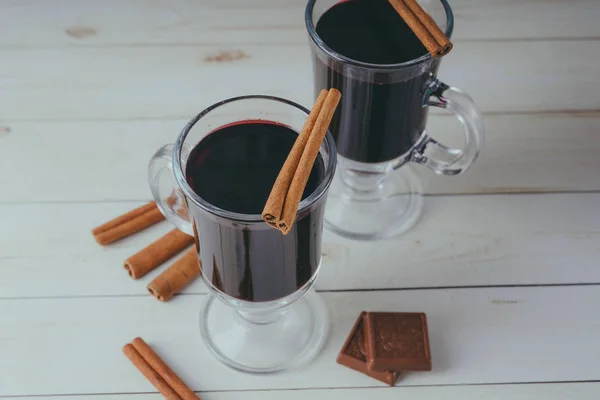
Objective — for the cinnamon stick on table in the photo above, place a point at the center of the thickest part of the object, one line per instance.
(421, 23)
(128, 224)
(157, 372)
(176, 277)
(157, 253)
(282, 205)
(153, 377)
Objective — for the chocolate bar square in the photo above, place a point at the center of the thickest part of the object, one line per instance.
(397, 342)
(353, 354)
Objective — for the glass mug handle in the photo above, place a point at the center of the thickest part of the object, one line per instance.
(169, 198)
(441, 159)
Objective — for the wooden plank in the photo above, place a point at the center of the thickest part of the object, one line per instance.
(88, 161)
(522, 153)
(140, 22)
(48, 250)
(494, 335)
(178, 81)
(547, 391)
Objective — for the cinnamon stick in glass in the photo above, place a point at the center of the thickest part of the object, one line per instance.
(282, 205)
(424, 27)
(128, 224)
(431, 26)
(157, 253)
(274, 207)
(176, 277)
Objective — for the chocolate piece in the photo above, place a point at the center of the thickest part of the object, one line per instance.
(353, 354)
(397, 342)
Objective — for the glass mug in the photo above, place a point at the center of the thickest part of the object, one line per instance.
(379, 127)
(261, 315)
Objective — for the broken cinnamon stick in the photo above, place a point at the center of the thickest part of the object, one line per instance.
(163, 369)
(128, 224)
(157, 253)
(424, 27)
(176, 277)
(288, 195)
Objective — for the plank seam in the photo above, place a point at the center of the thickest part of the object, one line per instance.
(400, 289)
(17, 46)
(592, 112)
(316, 388)
(488, 192)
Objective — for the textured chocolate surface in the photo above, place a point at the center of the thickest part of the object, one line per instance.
(353, 354)
(397, 342)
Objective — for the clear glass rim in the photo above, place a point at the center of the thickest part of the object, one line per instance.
(190, 194)
(310, 27)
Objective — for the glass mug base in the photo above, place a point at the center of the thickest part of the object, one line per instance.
(265, 343)
(373, 204)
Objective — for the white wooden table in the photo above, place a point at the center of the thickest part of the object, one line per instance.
(505, 262)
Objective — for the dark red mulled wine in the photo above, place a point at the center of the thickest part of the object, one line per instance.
(234, 169)
(376, 121)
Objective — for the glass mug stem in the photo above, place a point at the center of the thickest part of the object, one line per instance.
(362, 177)
(261, 317)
